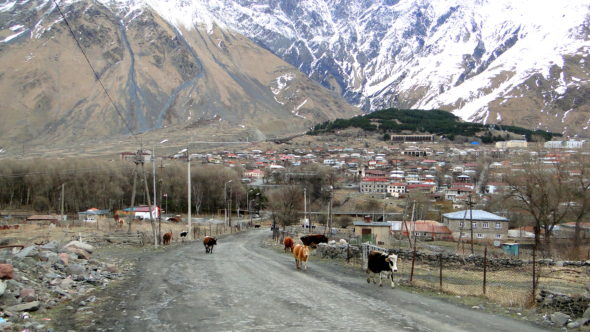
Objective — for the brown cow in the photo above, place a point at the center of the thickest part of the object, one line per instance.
(301, 253)
(166, 238)
(288, 242)
(209, 242)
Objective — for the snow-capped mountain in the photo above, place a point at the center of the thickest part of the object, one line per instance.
(502, 61)
(513, 62)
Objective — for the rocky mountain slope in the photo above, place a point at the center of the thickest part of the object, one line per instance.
(197, 80)
(511, 62)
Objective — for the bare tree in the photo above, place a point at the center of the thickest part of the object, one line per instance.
(286, 202)
(543, 191)
(580, 207)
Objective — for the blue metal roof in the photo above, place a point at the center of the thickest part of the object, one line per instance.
(475, 215)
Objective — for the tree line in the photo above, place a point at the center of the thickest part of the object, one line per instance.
(37, 184)
(427, 121)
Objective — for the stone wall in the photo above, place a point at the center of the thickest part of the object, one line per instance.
(338, 251)
(574, 306)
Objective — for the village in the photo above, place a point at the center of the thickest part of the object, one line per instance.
(375, 185)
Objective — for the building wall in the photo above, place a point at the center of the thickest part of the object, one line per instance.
(486, 234)
(381, 233)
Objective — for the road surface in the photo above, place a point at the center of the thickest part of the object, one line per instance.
(244, 286)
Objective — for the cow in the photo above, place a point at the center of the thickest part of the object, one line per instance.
(183, 235)
(313, 240)
(209, 242)
(288, 242)
(166, 238)
(301, 253)
(381, 264)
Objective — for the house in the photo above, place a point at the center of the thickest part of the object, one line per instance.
(255, 173)
(423, 229)
(516, 143)
(571, 144)
(376, 232)
(486, 226)
(143, 212)
(91, 214)
(374, 185)
(395, 189)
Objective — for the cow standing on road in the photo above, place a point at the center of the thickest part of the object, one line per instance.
(381, 264)
(209, 242)
(288, 242)
(301, 254)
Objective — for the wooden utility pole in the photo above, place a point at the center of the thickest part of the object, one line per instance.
(189, 217)
(470, 204)
(62, 201)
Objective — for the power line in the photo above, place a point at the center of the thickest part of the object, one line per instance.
(94, 71)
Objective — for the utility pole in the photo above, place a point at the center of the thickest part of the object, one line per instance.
(62, 201)
(470, 204)
(189, 217)
(305, 221)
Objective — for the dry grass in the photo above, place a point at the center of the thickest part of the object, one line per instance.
(506, 287)
(29, 234)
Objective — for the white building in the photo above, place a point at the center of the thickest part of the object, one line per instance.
(571, 144)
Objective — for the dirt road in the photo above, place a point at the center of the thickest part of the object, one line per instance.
(245, 286)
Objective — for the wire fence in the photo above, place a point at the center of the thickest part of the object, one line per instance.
(457, 269)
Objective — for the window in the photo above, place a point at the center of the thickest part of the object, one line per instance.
(461, 224)
(498, 236)
(486, 225)
(474, 225)
(498, 225)
(479, 236)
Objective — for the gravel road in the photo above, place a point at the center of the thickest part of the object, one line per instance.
(245, 286)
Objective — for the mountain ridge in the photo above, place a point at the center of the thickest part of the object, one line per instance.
(472, 59)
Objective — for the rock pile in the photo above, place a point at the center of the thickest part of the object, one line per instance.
(573, 311)
(39, 277)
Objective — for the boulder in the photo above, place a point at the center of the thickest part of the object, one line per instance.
(2, 287)
(65, 258)
(80, 253)
(51, 246)
(31, 306)
(81, 245)
(112, 268)
(6, 271)
(76, 270)
(31, 251)
(586, 313)
(27, 295)
(66, 283)
(559, 319)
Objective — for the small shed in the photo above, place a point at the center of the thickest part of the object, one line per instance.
(510, 248)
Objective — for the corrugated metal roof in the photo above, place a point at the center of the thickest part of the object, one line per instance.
(475, 215)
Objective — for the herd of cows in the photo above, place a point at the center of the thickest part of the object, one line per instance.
(379, 264)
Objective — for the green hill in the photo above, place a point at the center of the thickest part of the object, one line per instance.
(443, 123)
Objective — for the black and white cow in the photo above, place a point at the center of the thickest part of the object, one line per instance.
(381, 264)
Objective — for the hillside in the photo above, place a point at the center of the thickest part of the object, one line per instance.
(203, 82)
(437, 122)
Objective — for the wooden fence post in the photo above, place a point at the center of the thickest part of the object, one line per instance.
(440, 286)
(485, 265)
